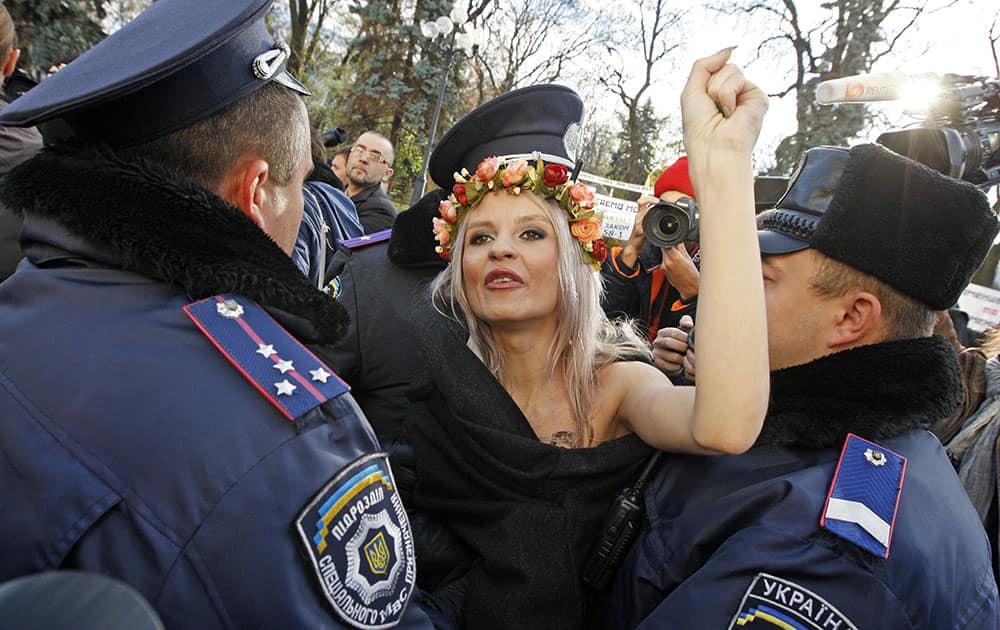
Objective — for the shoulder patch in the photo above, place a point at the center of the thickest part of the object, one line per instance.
(773, 602)
(367, 239)
(275, 362)
(334, 288)
(357, 536)
(864, 496)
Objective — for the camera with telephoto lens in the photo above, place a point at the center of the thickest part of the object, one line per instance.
(333, 137)
(959, 130)
(671, 223)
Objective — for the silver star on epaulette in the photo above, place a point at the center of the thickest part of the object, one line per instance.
(285, 388)
(875, 458)
(230, 309)
(319, 374)
(283, 366)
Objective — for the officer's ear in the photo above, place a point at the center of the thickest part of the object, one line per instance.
(857, 321)
(8, 64)
(245, 187)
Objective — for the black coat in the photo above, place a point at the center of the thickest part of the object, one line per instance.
(374, 209)
(525, 514)
(382, 283)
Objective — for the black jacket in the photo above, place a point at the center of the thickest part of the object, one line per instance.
(375, 210)
(643, 292)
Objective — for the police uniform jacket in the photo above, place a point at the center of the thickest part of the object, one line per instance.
(736, 542)
(133, 447)
(383, 280)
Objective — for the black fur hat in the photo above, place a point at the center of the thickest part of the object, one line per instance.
(412, 242)
(919, 231)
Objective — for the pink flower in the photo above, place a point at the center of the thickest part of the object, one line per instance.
(442, 231)
(582, 195)
(515, 173)
(487, 169)
(448, 211)
(586, 230)
(554, 175)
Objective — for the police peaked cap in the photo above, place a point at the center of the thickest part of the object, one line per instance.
(544, 118)
(176, 63)
(919, 231)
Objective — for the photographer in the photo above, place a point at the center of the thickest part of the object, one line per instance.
(656, 286)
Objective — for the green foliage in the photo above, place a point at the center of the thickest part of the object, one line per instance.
(51, 32)
(635, 155)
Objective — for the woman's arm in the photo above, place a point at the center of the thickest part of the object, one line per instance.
(722, 114)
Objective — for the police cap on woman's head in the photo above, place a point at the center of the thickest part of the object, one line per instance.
(175, 64)
(919, 231)
(544, 118)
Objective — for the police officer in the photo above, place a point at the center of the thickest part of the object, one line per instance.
(164, 421)
(847, 512)
(382, 279)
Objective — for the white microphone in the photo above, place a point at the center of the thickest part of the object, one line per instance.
(863, 88)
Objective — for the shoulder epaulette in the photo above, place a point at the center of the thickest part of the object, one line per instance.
(367, 239)
(275, 363)
(864, 496)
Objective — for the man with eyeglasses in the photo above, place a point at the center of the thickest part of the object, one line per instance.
(368, 165)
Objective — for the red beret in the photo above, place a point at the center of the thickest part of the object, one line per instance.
(675, 177)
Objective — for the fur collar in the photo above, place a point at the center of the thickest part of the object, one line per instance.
(876, 392)
(148, 220)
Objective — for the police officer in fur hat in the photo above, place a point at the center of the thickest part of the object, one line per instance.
(166, 420)
(847, 512)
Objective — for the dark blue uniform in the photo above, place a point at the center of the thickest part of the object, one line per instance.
(159, 424)
(133, 447)
(736, 542)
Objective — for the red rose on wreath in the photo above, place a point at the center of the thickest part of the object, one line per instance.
(459, 191)
(600, 252)
(554, 175)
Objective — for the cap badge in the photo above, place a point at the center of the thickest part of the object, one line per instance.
(571, 140)
(230, 309)
(875, 458)
(267, 64)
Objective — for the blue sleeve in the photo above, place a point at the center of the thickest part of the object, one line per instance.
(323, 205)
(764, 575)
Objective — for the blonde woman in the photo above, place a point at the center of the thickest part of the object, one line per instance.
(538, 366)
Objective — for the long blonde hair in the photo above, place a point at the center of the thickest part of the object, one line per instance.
(585, 339)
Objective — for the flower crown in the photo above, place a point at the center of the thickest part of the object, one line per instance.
(545, 180)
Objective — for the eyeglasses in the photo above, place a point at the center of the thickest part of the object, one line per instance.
(371, 155)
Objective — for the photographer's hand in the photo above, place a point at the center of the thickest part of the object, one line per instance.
(637, 241)
(680, 270)
(670, 346)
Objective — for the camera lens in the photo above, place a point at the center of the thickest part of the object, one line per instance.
(669, 225)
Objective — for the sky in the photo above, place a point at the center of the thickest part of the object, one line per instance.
(952, 40)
